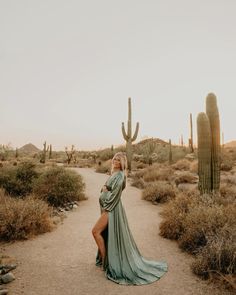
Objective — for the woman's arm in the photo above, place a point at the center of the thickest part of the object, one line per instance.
(113, 196)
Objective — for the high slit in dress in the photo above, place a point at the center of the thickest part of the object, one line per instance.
(123, 262)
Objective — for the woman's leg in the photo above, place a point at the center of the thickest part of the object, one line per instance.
(100, 225)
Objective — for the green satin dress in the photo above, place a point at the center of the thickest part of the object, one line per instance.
(123, 262)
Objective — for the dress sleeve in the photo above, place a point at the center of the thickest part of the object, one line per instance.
(113, 196)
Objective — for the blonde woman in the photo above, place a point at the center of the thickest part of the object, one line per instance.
(117, 253)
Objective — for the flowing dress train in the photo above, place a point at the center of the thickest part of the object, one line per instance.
(123, 263)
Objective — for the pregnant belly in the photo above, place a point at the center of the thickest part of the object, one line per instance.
(102, 198)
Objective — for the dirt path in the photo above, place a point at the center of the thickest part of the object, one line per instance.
(63, 262)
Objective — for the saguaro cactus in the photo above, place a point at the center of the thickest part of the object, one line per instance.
(213, 115)
(191, 134)
(204, 153)
(50, 151)
(208, 126)
(128, 136)
(44, 153)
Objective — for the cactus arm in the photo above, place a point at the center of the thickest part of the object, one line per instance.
(124, 133)
(136, 132)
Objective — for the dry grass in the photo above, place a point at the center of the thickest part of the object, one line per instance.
(174, 214)
(206, 227)
(218, 257)
(194, 167)
(23, 218)
(201, 221)
(138, 182)
(185, 177)
(155, 174)
(182, 164)
(158, 192)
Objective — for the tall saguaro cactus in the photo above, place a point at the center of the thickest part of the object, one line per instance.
(208, 130)
(44, 153)
(191, 134)
(128, 135)
(213, 115)
(204, 153)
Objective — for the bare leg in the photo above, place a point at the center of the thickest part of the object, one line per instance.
(100, 225)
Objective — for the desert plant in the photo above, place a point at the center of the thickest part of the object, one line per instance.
(70, 154)
(23, 218)
(58, 186)
(158, 192)
(217, 258)
(18, 180)
(43, 154)
(174, 214)
(208, 126)
(191, 135)
(181, 164)
(185, 177)
(128, 136)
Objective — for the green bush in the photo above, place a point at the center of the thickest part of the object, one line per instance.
(58, 186)
(18, 180)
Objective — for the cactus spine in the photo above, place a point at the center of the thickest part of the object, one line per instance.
(208, 132)
(128, 136)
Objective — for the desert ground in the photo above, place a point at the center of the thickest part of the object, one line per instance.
(63, 261)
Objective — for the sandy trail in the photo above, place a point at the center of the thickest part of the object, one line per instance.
(62, 262)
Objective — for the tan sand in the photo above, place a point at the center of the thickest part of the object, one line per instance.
(62, 262)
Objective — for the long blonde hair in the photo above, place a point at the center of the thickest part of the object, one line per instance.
(123, 162)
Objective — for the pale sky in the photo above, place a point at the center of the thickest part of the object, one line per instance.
(68, 67)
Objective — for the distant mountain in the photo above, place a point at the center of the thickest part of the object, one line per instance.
(231, 144)
(155, 140)
(29, 149)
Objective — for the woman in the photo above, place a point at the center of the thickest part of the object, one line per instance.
(117, 253)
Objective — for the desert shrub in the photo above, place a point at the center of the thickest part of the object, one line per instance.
(228, 192)
(194, 167)
(185, 177)
(18, 180)
(218, 255)
(140, 173)
(141, 165)
(202, 221)
(182, 164)
(174, 214)
(226, 165)
(23, 218)
(104, 167)
(157, 174)
(105, 154)
(228, 179)
(159, 192)
(138, 182)
(58, 186)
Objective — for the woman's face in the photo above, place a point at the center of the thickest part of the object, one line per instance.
(116, 163)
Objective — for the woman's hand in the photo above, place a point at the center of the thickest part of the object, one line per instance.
(104, 189)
